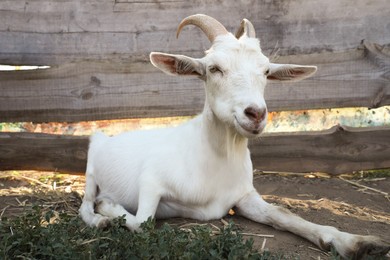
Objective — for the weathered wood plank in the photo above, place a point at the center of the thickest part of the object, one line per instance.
(55, 32)
(95, 91)
(29, 151)
(335, 151)
(113, 90)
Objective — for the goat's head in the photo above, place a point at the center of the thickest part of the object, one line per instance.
(235, 71)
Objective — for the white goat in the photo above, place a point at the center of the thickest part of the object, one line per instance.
(203, 168)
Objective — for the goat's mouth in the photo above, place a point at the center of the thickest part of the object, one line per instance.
(249, 129)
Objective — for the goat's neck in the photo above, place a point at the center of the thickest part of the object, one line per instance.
(222, 138)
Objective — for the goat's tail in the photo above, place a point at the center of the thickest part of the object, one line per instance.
(87, 208)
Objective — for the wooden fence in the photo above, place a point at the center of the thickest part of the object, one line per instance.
(98, 53)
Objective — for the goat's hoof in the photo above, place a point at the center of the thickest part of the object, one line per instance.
(368, 246)
(134, 228)
(104, 222)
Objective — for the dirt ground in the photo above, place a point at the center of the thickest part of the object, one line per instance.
(359, 206)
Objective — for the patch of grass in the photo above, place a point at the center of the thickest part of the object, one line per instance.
(39, 234)
(369, 174)
(380, 173)
(8, 126)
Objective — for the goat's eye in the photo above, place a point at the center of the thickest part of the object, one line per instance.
(266, 72)
(215, 69)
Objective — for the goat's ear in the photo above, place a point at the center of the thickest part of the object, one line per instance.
(290, 72)
(177, 64)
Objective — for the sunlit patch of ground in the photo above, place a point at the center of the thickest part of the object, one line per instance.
(21, 189)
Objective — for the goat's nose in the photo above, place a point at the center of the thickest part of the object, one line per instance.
(255, 113)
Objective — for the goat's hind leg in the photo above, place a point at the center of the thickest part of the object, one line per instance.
(106, 209)
(347, 245)
(147, 205)
(111, 210)
(90, 217)
(86, 210)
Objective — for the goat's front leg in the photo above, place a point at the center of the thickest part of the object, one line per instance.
(348, 245)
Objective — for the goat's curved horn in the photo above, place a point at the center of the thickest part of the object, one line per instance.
(246, 28)
(211, 27)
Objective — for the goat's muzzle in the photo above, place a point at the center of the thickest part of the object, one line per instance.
(255, 114)
(252, 121)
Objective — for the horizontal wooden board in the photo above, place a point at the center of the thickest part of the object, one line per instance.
(45, 32)
(29, 151)
(335, 151)
(113, 90)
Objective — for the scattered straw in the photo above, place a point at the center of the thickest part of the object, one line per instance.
(338, 208)
(3, 210)
(187, 227)
(365, 187)
(318, 250)
(95, 239)
(257, 235)
(224, 222)
(262, 249)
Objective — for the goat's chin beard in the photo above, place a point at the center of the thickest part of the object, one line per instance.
(249, 135)
(248, 132)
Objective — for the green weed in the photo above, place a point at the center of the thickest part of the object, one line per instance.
(39, 234)
(369, 174)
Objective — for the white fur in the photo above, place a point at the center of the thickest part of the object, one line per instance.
(202, 168)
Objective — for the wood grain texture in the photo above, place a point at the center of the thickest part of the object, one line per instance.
(29, 151)
(335, 151)
(113, 90)
(99, 50)
(56, 32)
